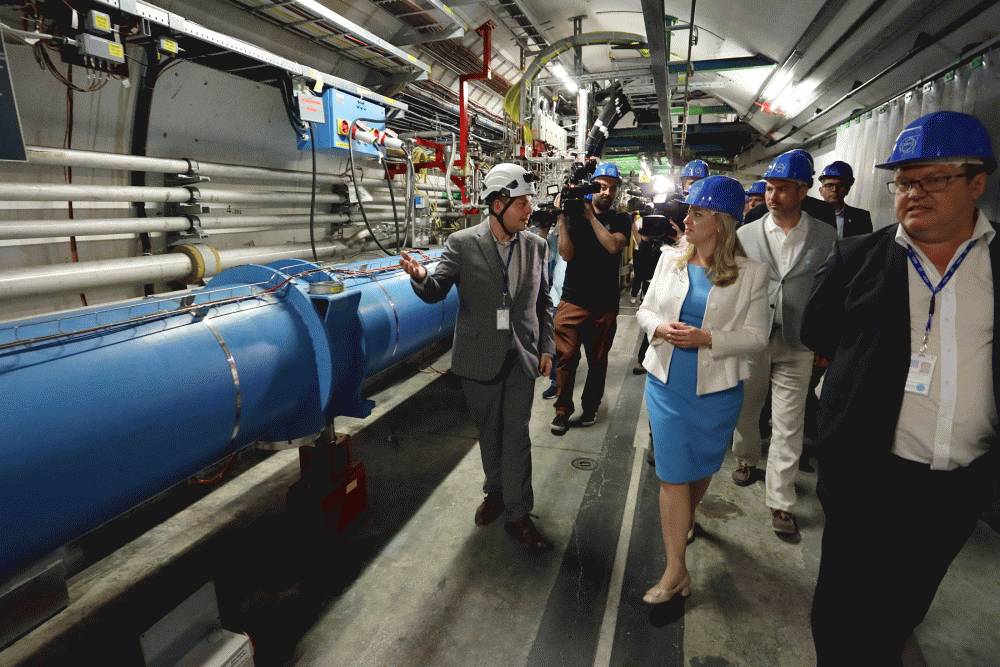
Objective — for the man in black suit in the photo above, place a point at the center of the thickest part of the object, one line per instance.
(908, 419)
(837, 179)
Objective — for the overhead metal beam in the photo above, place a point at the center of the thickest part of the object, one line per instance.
(654, 17)
(411, 37)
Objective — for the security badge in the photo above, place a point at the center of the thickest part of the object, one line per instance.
(918, 380)
(503, 319)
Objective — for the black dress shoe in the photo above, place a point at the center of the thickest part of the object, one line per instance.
(524, 531)
(490, 509)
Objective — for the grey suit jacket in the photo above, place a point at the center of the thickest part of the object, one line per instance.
(794, 287)
(471, 261)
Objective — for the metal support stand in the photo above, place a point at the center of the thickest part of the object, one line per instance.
(31, 597)
(332, 492)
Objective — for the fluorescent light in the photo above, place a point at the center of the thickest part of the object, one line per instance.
(662, 184)
(564, 78)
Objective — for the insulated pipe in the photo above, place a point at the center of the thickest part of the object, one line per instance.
(36, 229)
(51, 279)
(61, 157)
(179, 195)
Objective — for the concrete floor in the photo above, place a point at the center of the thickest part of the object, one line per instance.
(417, 583)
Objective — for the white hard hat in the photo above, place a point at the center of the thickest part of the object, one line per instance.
(508, 180)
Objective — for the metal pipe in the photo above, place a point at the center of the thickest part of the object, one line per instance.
(486, 32)
(238, 256)
(60, 157)
(37, 229)
(687, 81)
(180, 195)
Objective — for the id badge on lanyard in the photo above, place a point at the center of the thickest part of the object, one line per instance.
(921, 373)
(503, 312)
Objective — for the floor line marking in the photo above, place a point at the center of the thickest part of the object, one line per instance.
(606, 638)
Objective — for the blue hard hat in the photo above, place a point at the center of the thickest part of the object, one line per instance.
(807, 155)
(695, 169)
(791, 166)
(718, 193)
(942, 135)
(838, 169)
(756, 189)
(607, 169)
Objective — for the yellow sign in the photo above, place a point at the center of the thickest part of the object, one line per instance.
(316, 77)
(116, 49)
(102, 21)
(169, 45)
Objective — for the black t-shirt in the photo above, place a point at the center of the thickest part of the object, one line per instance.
(592, 275)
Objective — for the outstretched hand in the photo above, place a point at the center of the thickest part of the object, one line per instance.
(412, 267)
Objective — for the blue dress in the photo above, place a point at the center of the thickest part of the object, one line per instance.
(691, 433)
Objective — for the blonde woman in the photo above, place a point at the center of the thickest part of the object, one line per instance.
(704, 313)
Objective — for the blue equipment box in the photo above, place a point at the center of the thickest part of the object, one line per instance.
(340, 110)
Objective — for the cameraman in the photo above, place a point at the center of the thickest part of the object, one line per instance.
(591, 242)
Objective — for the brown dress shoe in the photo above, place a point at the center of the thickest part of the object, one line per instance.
(490, 509)
(784, 523)
(524, 531)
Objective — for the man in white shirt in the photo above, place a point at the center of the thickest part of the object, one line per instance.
(908, 420)
(793, 244)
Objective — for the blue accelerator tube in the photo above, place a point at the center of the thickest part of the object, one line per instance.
(103, 408)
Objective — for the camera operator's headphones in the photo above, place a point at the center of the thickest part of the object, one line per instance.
(506, 180)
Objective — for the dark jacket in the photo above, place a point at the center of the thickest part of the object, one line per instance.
(859, 315)
(857, 221)
(817, 208)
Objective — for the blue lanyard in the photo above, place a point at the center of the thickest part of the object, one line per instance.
(915, 260)
(505, 269)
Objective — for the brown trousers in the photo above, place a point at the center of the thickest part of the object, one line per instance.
(576, 326)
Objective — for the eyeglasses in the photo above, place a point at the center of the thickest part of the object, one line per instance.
(935, 183)
(830, 187)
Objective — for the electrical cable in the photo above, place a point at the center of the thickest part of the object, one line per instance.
(357, 190)
(68, 171)
(312, 197)
(392, 198)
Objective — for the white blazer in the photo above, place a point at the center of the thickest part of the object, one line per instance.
(736, 315)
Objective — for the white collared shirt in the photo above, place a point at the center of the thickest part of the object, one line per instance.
(785, 248)
(954, 424)
(840, 224)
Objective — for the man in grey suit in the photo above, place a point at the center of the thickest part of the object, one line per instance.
(793, 244)
(503, 339)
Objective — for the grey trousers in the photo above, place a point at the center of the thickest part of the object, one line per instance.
(501, 410)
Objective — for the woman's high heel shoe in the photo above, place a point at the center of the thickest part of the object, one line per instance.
(657, 595)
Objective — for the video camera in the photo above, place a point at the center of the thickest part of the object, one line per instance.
(571, 196)
(657, 212)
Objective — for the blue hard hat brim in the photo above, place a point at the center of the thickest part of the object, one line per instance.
(989, 164)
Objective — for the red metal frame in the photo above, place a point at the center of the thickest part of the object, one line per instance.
(486, 32)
